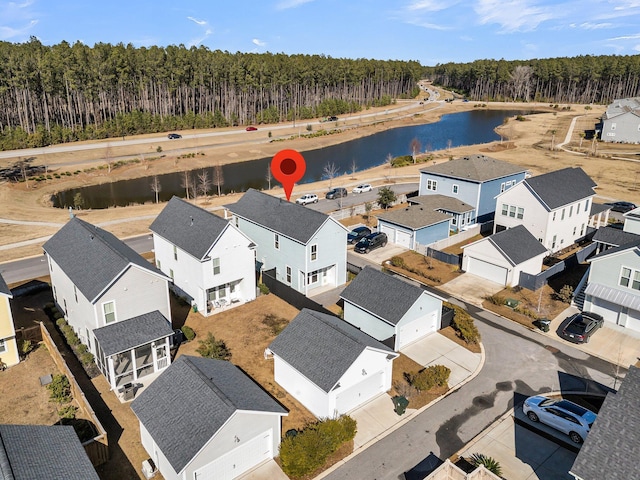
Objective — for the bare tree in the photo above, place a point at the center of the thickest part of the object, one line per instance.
(156, 187)
(389, 160)
(582, 135)
(186, 183)
(415, 148)
(330, 171)
(107, 157)
(521, 82)
(449, 144)
(269, 176)
(354, 167)
(204, 183)
(553, 139)
(23, 166)
(218, 178)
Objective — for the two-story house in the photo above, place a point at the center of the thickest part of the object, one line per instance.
(621, 122)
(115, 300)
(9, 354)
(307, 249)
(474, 180)
(210, 261)
(555, 207)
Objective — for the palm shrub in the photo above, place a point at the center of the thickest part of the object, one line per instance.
(60, 389)
(210, 347)
(489, 463)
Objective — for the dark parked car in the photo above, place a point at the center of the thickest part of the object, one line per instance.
(174, 136)
(581, 326)
(332, 119)
(336, 193)
(622, 207)
(357, 234)
(371, 241)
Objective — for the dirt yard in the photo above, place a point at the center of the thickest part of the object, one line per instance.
(425, 270)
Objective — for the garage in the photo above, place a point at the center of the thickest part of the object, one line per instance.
(360, 392)
(416, 329)
(239, 460)
(487, 270)
(397, 236)
(403, 239)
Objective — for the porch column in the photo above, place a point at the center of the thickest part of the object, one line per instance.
(112, 373)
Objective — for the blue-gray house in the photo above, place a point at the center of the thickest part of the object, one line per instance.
(474, 179)
(414, 225)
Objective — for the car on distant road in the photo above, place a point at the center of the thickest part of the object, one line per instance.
(337, 192)
(622, 207)
(251, 129)
(581, 326)
(174, 136)
(307, 198)
(358, 233)
(365, 187)
(371, 241)
(563, 415)
(332, 118)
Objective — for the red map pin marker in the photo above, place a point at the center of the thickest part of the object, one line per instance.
(288, 166)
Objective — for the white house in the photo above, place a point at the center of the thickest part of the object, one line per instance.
(613, 286)
(210, 261)
(502, 256)
(632, 221)
(328, 365)
(389, 309)
(99, 283)
(9, 354)
(206, 419)
(307, 249)
(554, 207)
(621, 122)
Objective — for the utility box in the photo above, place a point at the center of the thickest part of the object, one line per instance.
(544, 324)
(400, 404)
(149, 469)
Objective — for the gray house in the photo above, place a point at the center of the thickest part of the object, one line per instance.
(307, 249)
(475, 180)
(621, 122)
(98, 282)
(29, 452)
(612, 448)
(389, 309)
(205, 418)
(414, 225)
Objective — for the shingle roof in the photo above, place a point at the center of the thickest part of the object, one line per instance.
(91, 257)
(29, 452)
(597, 208)
(517, 244)
(635, 243)
(189, 227)
(134, 332)
(415, 217)
(277, 214)
(479, 168)
(612, 447)
(562, 187)
(4, 288)
(614, 236)
(383, 295)
(189, 402)
(442, 202)
(622, 105)
(322, 347)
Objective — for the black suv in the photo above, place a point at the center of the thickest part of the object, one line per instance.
(174, 136)
(371, 241)
(357, 234)
(581, 326)
(336, 193)
(332, 119)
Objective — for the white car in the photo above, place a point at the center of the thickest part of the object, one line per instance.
(307, 198)
(365, 187)
(563, 415)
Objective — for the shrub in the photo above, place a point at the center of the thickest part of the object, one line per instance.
(565, 294)
(398, 262)
(489, 463)
(68, 412)
(60, 389)
(430, 377)
(87, 358)
(72, 338)
(495, 299)
(212, 348)
(463, 324)
(25, 347)
(159, 149)
(188, 332)
(61, 322)
(402, 161)
(82, 348)
(307, 451)
(264, 290)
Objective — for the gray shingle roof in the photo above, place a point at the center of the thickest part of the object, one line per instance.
(4, 288)
(141, 330)
(30, 452)
(597, 208)
(612, 448)
(415, 217)
(277, 214)
(442, 202)
(92, 257)
(517, 244)
(189, 402)
(478, 168)
(190, 228)
(562, 187)
(614, 236)
(322, 347)
(383, 295)
(635, 243)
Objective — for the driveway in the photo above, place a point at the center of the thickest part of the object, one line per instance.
(374, 257)
(471, 289)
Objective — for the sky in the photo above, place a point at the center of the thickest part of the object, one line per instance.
(428, 31)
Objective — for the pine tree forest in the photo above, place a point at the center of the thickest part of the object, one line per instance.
(61, 93)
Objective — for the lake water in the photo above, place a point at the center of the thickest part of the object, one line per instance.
(466, 128)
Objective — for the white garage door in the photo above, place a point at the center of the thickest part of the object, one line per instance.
(390, 231)
(417, 329)
(360, 392)
(403, 239)
(239, 460)
(633, 320)
(487, 270)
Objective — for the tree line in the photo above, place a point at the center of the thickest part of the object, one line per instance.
(63, 92)
(583, 79)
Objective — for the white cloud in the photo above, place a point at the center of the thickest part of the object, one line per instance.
(16, 19)
(512, 15)
(627, 4)
(592, 26)
(207, 31)
(625, 37)
(199, 22)
(286, 4)
(429, 5)
(259, 42)
(428, 25)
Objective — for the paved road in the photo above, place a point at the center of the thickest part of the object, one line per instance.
(327, 206)
(518, 363)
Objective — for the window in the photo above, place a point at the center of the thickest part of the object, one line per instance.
(3, 346)
(577, 208)
(562, 217)
(520, 213)
(288, 274)
(502, 187)
(630, 278)
(554, 217)
(171, 273)
(175, 252)
(158, 265)
(432, 185)
(512, 211)
(540, 240)
(586, 206)
(314, 252)
(574, 231)
(553, 243)
(276, 241)
(505, 209)
(582, 230)
(109, 311)
(454, 220)
(625, 277)
(216, 266)
(75, 293)
(454, 189)
(570, 211)
(312, 278)
(236, 219)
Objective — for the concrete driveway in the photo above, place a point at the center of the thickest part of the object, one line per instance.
(471, 289)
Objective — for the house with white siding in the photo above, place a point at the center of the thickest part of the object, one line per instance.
(621, 121)
(9, 354)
